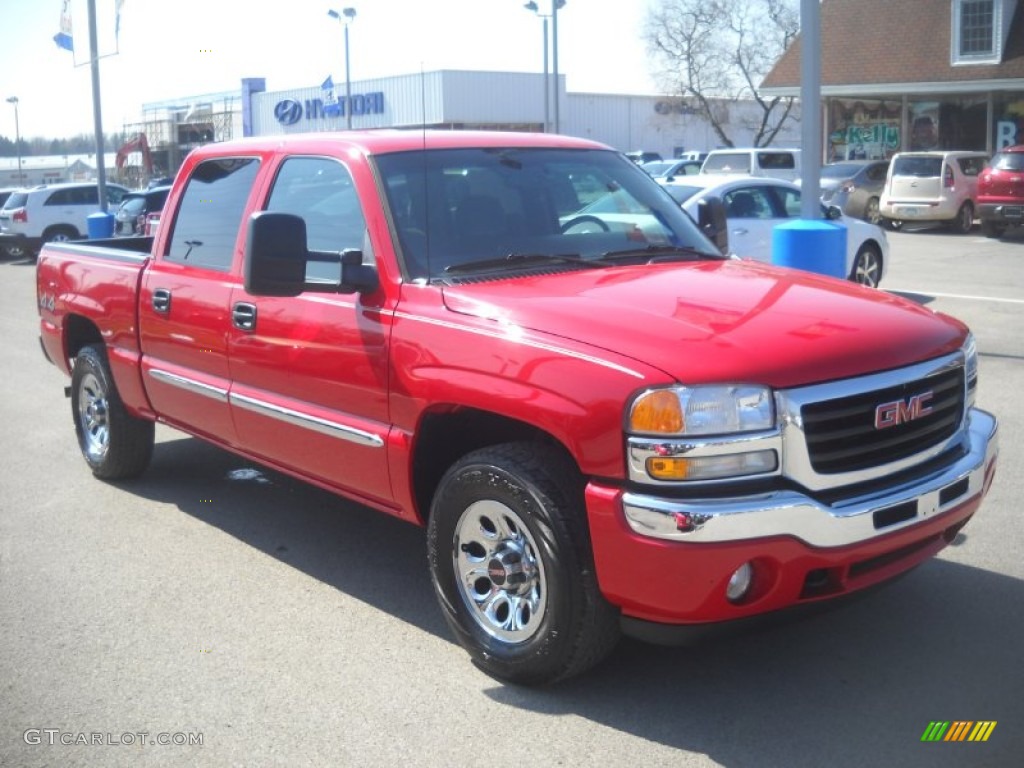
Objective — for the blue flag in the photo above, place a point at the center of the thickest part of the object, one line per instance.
(63, 38)
(331, 106)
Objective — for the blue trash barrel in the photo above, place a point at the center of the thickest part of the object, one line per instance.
(815, 246)
(100, 225)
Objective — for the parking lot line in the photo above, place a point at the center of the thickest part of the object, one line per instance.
(920, 292)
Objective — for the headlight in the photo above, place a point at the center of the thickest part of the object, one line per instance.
(702, 410)
(970, 350)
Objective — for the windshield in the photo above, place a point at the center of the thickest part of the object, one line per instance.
(511, 208)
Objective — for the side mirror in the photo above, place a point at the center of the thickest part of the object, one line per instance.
(712, 222)
(275, 255)
(833, 213)
(277, 258)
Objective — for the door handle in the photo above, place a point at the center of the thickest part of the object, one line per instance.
(243, 316)
(162, 300)
(739, 231)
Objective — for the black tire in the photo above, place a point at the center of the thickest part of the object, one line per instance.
(964, 220)
(991, 228)
(60, 234)
(510, 558)
(867, 266)
(115, 444)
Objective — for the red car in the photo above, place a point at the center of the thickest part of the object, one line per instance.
(1001, 192)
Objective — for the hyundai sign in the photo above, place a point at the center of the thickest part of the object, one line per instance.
(291, 111)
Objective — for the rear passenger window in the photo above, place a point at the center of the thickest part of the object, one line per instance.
(210, 213)
(776, 160)
(971, 166)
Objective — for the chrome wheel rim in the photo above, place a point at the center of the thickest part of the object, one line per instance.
(866, 272)
(500, 576)
(872, 214)
(93, 416)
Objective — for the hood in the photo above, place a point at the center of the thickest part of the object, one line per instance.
(732, 321)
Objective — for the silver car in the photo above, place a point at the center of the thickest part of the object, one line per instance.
(855, 186)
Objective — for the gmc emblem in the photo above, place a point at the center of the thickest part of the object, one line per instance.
(902, 411)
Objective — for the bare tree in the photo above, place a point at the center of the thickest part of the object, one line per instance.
(715, 53)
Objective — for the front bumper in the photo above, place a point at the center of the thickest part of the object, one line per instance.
(669, 560)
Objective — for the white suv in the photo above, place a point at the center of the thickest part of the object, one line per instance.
(51, 212)
(932, 186)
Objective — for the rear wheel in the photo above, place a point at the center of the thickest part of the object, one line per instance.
(510, 558)
(115, 444)
(871, 212)
(867, 266)
(964, 219)
(991, 228)
(60, 234)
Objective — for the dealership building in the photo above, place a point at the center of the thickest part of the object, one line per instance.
(444, 99)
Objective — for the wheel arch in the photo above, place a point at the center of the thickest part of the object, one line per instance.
(446, 433)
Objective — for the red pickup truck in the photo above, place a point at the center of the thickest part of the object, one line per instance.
(522, 343)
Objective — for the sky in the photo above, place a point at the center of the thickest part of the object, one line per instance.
(171, 49)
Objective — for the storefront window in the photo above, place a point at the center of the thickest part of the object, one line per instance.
(1008, 121)
(947, 123)
(863, 129)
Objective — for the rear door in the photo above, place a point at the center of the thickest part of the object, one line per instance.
(184, 311)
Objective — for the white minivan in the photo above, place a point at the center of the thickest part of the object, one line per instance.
(760, 161)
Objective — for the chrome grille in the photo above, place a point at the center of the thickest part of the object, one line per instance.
(842, 437)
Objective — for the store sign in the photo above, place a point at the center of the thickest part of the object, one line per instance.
(678, 107)
(292, 111)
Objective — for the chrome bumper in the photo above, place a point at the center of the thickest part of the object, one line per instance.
(789, 513)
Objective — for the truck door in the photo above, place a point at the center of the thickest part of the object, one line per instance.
(309, 373)
(184, 312)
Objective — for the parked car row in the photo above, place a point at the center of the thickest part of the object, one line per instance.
(57, 212)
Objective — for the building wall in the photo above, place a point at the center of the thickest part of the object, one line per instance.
(508, 101)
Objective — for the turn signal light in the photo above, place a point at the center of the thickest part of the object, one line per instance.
(658, 411)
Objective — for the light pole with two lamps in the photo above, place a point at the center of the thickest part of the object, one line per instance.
(17, 133)
(345, 17)
(555, 5)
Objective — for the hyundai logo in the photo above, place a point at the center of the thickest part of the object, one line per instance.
(288, 112)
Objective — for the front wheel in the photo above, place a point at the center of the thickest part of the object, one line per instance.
(115, 444)
(867, 266)
(511, 563)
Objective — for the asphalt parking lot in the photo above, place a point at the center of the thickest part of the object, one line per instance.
(214, 601)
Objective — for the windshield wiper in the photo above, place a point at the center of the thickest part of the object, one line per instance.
(515, 260)
(653, 253)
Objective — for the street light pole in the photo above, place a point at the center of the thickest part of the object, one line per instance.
(532, 6)
(555, 5)
(345, 17)
(17, 133)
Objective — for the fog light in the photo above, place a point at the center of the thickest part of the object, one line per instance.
(739, 583)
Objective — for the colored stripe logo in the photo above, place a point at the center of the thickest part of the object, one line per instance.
(958, 730)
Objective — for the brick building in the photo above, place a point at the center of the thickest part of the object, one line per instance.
(915, 74)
